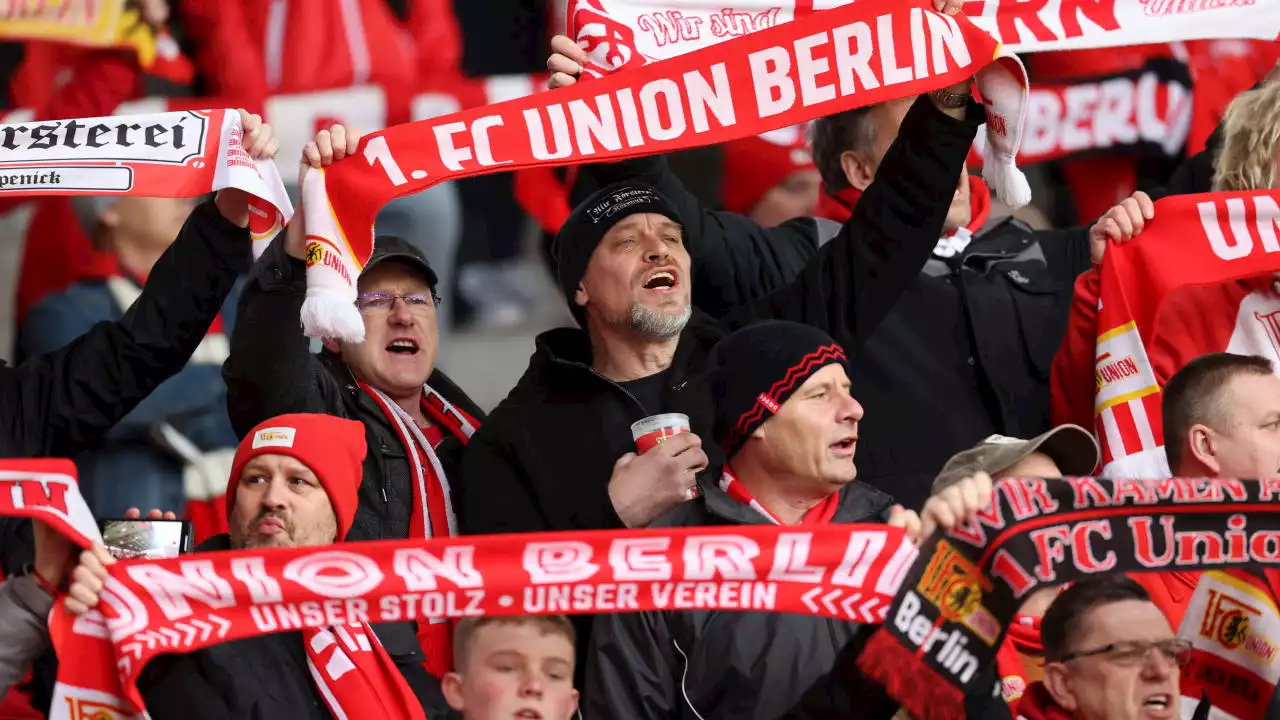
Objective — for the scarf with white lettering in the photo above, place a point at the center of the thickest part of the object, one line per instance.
(770, 79)
(433, 514)
(627, 34)
(1206, 239)
(849, 572)
(172, 155)
(942, 635)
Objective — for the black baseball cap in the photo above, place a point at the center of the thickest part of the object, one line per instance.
(391, 248)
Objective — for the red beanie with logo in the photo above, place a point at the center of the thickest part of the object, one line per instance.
(331, 447)
(755, 164)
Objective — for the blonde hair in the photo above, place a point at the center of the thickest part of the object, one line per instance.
(1251, 131)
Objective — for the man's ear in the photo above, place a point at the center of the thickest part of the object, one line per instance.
(333, 346)
(1204, 446)
(858, 169)
(1058, 682)
(759, 432)
(580, 295)
(451, 686)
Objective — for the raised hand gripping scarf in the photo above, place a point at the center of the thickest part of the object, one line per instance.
(851, 56)
(176, 154)
(951, 614)
(1206, 239)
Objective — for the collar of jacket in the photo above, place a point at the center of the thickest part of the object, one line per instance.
(562, 358)
(859, 503)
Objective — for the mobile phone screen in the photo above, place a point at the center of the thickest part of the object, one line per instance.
(150, 539)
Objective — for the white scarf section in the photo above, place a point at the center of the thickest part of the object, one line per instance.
(407, 428)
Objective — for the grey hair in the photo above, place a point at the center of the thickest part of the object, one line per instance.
(833, 135)
(657, 325)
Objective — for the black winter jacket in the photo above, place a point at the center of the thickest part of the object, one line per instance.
(544, 459)
(271, 371)
(703, 664)
(57, 404)
(266, 677)
(965, 352)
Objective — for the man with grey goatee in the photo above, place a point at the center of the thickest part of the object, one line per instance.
(558, 452)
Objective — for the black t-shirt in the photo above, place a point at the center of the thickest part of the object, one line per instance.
(647, 391)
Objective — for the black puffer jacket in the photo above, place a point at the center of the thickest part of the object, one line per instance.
(705, 664)
(271, 371)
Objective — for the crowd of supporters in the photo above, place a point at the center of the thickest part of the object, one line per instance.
(836, 323)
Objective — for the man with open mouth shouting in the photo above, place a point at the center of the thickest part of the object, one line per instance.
(416, 419)
(559, 454)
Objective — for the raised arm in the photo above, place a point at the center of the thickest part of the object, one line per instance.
(62, 401)
(858, 277)
(737, 260)
(271, 370)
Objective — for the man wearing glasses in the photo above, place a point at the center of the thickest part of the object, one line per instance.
(417, 420)
(1110, 654)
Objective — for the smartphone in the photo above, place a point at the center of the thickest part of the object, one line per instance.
(143, 538)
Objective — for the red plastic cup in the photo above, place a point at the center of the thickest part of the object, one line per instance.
(651, 431)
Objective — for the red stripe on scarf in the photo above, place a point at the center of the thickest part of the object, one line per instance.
(435, 637)
(820, 514)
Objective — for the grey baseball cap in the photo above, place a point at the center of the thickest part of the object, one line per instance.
(1071, 447)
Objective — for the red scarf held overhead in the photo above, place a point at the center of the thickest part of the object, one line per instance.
(431, 493)
(820, 514)
(1207, 239)
(705, 97)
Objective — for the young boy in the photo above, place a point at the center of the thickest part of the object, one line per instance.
(513, 667)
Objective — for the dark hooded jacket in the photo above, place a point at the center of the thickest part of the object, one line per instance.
(544, 458)
(700, 664)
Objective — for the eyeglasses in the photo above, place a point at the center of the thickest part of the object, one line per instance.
(380, 302)
(1134, 653)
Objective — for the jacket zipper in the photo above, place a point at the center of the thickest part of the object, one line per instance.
(622, 390)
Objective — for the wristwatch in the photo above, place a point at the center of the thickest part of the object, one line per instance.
(949, 99)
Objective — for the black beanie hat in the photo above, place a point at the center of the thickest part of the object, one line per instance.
(589, 222)
(754, 371)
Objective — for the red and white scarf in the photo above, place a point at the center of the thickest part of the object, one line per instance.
(1208, 239)
(184, 604)
(355, 675)
(433, 514)
(179, 154)
(820, 514)
(1233, 624)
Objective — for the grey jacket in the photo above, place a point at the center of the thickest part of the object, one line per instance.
(24, 614)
